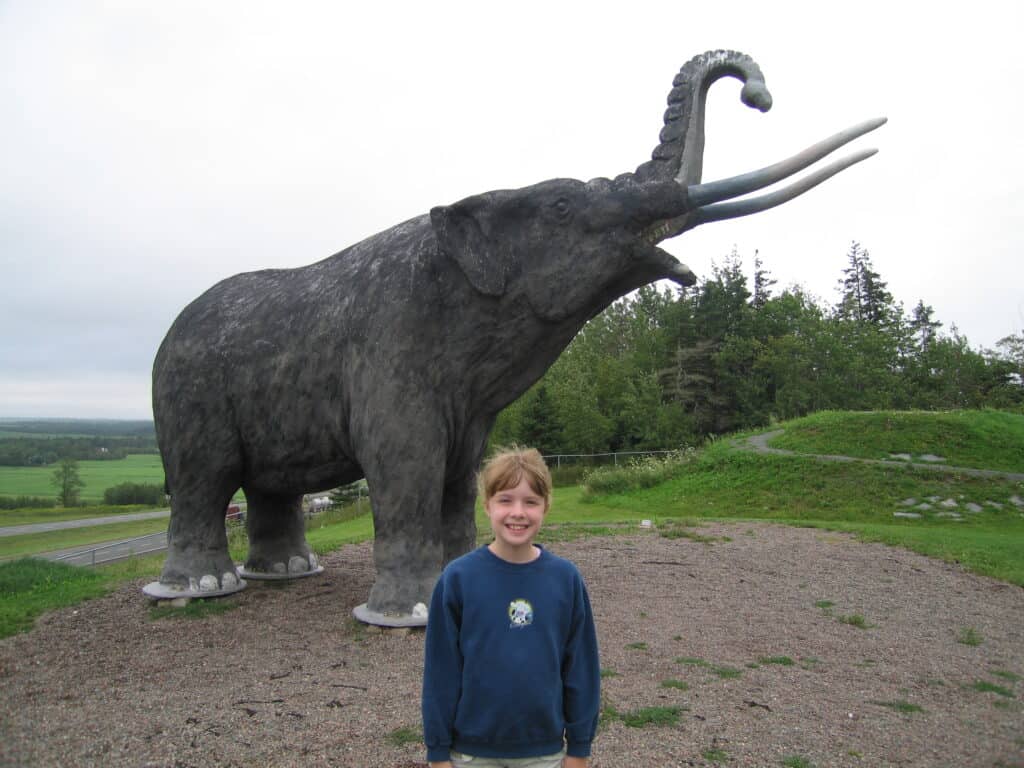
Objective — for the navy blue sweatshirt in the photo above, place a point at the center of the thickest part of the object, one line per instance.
(511, 660)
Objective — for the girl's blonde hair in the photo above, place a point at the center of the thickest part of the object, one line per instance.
(507, 468)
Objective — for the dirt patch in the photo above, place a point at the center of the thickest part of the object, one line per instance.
(760, 631)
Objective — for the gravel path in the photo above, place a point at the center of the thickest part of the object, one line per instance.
(286, 677)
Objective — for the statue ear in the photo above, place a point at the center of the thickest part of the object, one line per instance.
(459, 234)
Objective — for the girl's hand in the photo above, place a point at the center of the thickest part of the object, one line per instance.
(445, 764)
(575, 762)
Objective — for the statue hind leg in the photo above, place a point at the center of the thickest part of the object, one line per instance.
(277, 537)
(198, 563)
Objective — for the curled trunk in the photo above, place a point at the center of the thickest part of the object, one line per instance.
(679, 154)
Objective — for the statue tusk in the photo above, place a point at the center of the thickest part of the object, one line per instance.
(726, 189)
(738, 208)
(665, 229)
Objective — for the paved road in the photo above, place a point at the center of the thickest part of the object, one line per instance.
(85, 522)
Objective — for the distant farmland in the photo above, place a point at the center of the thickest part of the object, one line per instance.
(97, 475)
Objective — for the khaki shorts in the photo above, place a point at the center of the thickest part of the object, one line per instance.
(545, 761)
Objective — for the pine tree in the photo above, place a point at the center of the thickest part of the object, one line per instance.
(864, 295)
(923, 327)
(763, 282)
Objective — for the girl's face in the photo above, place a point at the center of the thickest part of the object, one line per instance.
(516, 515)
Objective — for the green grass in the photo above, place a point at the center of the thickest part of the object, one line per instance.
(1001, 690)
(194, 609)
(978, 439)
(855, 620)
(400, 737)
(656, 716)
(28, 587)
(97, 475)
(677, 684)
(782, 661)
(795, 761)
(903, 707)
(723, 483)
(969, 636)
(714, 755)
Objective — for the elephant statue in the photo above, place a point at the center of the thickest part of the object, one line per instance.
(391, 359)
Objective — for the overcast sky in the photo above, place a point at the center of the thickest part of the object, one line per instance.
(150, 149)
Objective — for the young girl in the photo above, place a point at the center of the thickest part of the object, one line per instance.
(511, 675)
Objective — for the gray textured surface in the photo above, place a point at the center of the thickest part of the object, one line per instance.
(391, 359)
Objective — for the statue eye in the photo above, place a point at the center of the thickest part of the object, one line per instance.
(562, 208)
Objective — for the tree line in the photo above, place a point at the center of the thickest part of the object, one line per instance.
(664, 368)
(41, 451)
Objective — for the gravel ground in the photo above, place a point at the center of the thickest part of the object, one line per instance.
(287, 678)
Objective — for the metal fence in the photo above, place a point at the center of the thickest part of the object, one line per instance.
(596, 459)
(118, 550)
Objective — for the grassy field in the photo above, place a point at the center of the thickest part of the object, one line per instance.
(977, 439)
(719, 482)
(722, 483)
(97, 475)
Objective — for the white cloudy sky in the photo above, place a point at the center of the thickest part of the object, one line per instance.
(148, 150)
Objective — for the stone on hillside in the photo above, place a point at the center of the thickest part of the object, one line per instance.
(907, 515)
(908, 502)
(924, 505)
(932, 458)
(973, 508)
(949, 504)
(934, 499)
(949, 515)
(900, 456)
(993, 504)
(1017, 501)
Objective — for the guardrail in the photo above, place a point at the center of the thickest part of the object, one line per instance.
(118, 550)
(615, 456)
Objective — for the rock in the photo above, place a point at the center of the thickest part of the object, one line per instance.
(993, 504)
(949, 504)
(973, 508)
(924, 505)
(950, 515)
(907, 515)
(1017, 501)
(931, 457)
(900, 456)
(908, 502)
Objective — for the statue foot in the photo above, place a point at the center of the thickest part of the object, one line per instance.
(209, 579)
(397, 601)
(281, 567)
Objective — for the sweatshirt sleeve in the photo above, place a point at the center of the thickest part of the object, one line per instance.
(581, 676)
(442, 670)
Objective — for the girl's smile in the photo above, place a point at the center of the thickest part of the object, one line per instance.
(516, 515)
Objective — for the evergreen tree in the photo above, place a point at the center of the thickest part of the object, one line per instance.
(539, 426)
(864, 295)
(763, 282)
(923, 326)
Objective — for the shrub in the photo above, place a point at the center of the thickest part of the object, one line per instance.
(27, 502)
(636, 474)
(134, 493)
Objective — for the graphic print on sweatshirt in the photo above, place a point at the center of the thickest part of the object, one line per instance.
(521, 613)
